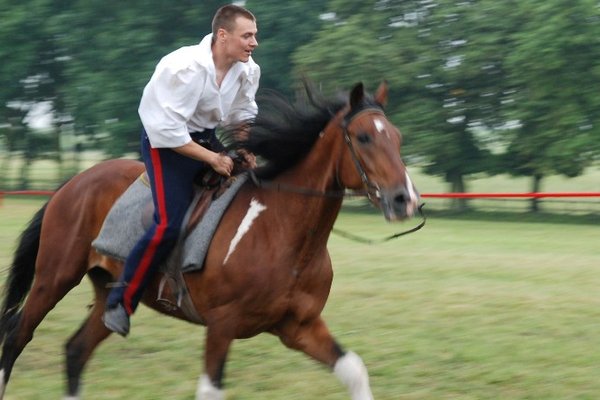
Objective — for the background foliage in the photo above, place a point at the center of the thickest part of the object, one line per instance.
(477, 86)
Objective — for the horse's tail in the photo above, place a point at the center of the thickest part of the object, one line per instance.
(21, 273)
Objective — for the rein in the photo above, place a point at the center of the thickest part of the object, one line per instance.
(335, 193)
(361, 239)
(282, 187)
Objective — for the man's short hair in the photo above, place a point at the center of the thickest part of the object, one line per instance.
(226, 15)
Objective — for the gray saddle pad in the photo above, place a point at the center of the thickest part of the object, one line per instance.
(123, 226)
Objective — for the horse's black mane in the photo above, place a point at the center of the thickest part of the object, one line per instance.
(283, 133)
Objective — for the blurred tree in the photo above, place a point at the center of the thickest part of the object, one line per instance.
(455, 90)
(554, 69)
(91, 60)
(282, 28)
(476, 85)
(444, 82)
(112, 48)
(31, 73)
(473, 82)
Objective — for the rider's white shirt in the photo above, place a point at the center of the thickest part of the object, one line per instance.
(183, 96)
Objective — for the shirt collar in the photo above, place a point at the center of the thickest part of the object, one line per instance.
(205, 57)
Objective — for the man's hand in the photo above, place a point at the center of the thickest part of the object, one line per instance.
(222, 164)
(249, 159)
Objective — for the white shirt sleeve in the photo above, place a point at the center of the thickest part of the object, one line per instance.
(168, 102)
(244, 105)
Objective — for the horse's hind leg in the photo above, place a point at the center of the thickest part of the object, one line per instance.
(40, 301)
(49, 287)
(81, 345)
(314, 339)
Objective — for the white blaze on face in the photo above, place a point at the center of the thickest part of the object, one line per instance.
(413, 197)
(255, 209)
(380, 126)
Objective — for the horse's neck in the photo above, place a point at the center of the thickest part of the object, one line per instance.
(317, 173)
(318, 170)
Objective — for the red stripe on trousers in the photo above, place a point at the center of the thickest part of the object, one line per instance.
(146, 260)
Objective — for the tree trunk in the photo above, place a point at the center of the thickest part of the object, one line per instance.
(4, 164)
(28, 155)
(534, 206)
(13, 134)
(457, 185)
(58, 156)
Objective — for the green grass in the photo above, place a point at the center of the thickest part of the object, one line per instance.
(463, 309)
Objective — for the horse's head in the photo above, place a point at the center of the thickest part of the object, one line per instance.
(285, 134)
(371, 159)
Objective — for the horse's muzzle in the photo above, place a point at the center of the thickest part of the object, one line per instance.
(399, 203)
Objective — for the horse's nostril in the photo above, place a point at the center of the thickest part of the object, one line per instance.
(400, 198)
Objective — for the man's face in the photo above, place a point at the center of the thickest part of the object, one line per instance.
(240, 42)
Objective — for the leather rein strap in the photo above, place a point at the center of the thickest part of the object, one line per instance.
(361, 239)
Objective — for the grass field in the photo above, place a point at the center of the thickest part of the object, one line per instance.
(463, 309)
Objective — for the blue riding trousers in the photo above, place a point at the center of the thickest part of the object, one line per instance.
(171, 177)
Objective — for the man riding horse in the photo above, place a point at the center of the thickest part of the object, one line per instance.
(192, 91)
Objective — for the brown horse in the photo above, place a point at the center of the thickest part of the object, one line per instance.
(267, 269)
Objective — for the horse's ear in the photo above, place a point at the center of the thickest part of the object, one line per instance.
(357, 95)
(381, 96)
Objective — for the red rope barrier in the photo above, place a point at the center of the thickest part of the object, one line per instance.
(537, 195)
(532, 195)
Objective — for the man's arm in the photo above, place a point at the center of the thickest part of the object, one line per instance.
(219, 162)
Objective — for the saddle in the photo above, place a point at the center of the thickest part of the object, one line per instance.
(208, 186)
(132, 213)
(194, 239)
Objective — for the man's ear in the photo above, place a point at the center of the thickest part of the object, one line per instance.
(221, 34)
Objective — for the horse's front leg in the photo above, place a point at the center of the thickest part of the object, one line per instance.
(210, 385)
(314, 339)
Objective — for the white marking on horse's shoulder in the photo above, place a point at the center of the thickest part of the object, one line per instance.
(255, 208)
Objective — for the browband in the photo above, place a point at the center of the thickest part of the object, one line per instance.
(356, 112)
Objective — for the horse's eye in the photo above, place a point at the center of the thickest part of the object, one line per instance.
(363, 138)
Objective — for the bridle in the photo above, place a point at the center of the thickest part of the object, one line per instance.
(371, 189)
